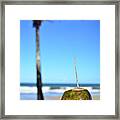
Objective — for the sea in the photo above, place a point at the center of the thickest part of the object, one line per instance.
(28, 91)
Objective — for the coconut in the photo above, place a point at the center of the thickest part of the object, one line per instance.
(76, 94)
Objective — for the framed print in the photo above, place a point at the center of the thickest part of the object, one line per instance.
(60, 59)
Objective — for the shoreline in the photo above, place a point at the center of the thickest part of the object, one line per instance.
(94, 97)
(53, 93)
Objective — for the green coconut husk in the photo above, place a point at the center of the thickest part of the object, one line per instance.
(76, 94)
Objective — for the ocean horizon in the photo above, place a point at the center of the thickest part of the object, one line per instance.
(96, 85)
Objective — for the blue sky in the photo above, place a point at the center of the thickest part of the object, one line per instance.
(60, 42)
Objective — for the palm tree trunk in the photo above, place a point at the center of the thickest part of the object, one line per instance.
(39, 78)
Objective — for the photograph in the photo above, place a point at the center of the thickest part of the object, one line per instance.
(60, 59)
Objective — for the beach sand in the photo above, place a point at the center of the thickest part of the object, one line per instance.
(96, 97)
